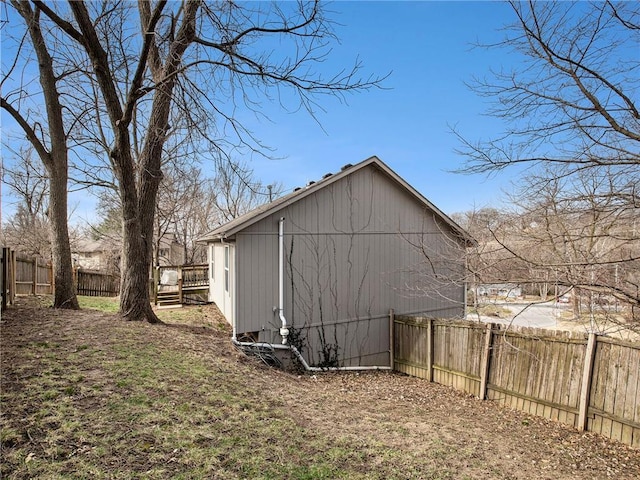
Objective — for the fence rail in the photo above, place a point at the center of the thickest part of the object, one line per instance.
(588, 381)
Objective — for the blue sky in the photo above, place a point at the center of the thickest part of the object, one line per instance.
(427, 49)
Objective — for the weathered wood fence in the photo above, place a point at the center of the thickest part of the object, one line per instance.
(33, 276)
(588, 381)
(23, 275)
(94, 283)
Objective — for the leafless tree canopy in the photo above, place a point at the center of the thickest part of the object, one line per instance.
(571, 111)
(573, 102)
(135, 81)
(559, 244)
(28, 230)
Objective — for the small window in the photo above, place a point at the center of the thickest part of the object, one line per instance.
(226, 268)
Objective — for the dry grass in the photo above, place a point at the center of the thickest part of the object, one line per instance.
(87, 395)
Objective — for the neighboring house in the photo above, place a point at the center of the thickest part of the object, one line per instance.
(331, 259)
(170, 251)
(104, 254)
(504, 290)
(95, 254)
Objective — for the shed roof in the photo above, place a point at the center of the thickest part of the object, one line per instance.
(240, 223)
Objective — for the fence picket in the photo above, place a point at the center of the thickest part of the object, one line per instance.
(587, 376)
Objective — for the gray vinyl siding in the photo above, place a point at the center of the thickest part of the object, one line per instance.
(348, 261)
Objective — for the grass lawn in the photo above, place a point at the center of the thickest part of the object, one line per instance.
(103, 304)
(88, 395)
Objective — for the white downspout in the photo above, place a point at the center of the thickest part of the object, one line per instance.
(284, 331)
(224, 299)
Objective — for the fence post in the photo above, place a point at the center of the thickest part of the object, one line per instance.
(5, 277)
(392, 338)
(52, 277)
(430, 349)
(76, 280)
(587, 373)
(49, 266)
(34, 276)
(13, 281)
(486, 359)
(156, 280)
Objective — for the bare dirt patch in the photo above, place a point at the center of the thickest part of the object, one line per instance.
(85, 394)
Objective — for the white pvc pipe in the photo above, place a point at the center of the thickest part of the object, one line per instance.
(304, 363)
(284, 331)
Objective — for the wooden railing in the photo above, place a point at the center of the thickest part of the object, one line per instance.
(190, 283)
(33, 276)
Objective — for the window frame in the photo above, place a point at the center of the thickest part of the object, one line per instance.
(227, 269)
(212, 262)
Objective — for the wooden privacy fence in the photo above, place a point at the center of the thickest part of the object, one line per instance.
(23, 275)
(94, 283)
(33, 276)
(588, 381)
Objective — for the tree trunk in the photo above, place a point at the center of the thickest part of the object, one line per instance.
(543, 290)
(55, 159)
(575, 295)
(137, 240)
(135, 302)
(139, 199)
(64, 291)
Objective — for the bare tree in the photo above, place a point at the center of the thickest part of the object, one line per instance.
(572, 120)
(218, 56)
(579, 233)
(574, 236)
(190, 205)
(27, 179)
(236, 190)
(48, 136)
(572, 103)
(26, 233)
(28, 229)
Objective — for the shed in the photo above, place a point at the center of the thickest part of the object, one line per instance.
(329, 260)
